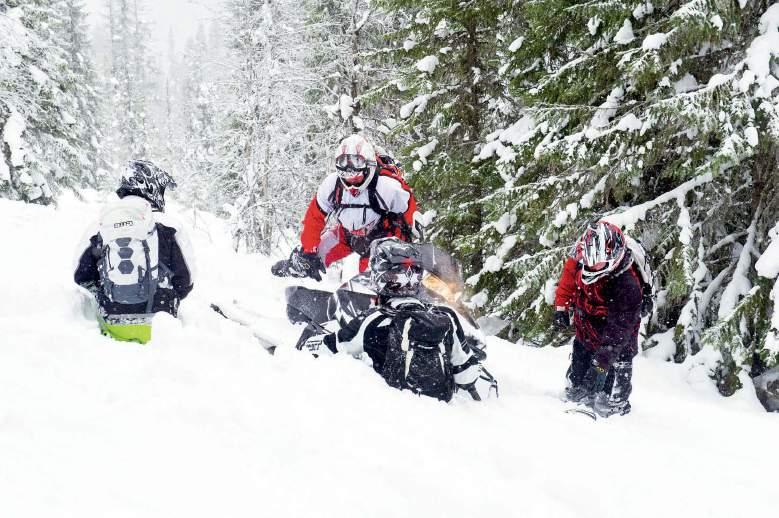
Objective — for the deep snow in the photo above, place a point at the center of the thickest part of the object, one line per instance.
(203, 422)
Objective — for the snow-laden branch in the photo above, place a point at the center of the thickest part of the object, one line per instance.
(629, 217)
(739, 285)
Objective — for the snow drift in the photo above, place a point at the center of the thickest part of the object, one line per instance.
(203, 422)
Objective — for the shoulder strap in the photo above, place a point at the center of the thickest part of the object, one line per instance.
(374, 200)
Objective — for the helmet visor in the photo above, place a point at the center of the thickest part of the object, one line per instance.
(351, 163)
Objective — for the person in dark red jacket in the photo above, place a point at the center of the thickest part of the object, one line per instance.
(364, 199)
(601, 285)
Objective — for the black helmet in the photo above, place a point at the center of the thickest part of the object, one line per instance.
(143, 178)
(396, 267)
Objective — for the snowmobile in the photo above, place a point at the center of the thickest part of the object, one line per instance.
(323, 310)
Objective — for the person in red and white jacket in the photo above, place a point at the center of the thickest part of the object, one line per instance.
(364, 199)
(602, 286)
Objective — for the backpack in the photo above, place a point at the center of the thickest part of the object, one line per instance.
(129, 258)
(419, 344)
(641, 262)
(645, 274)
(387, 219)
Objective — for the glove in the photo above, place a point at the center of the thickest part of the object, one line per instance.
(561, 320)
(306, 264)
(280, 268)
(483, 387)
(595, 378)
(418, 228)
(91, 287)
(316, 345)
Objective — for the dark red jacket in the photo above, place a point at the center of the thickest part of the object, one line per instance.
(607, 313)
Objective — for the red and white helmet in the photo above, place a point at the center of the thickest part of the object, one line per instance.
(355, 161)
(602, 248)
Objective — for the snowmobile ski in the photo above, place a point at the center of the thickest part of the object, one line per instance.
(266, 343)
(583, 411)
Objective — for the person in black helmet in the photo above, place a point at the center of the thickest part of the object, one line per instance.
(136, 259)
(414, 346)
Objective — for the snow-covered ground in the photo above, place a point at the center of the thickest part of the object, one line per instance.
(203, 422)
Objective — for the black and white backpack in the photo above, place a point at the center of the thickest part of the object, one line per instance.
(129, 260)
(644, 269)
(419, 351)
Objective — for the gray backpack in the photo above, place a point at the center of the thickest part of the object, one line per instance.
(129, 262)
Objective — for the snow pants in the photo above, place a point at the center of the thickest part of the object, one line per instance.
(619, 378)
(135, 331)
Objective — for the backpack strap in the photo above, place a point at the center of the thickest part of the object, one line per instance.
(150, 284)
(376, 203)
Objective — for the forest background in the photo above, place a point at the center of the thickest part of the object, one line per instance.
(517, 122)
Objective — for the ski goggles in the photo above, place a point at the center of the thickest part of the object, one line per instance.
(353, 163)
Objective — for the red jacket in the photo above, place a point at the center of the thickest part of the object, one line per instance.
(395, 194)
(607, 313)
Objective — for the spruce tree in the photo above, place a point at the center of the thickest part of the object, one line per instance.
(263, 169)
(198, 106)
(48, 105)
(661, 117)
(453, 95)
(133, 73)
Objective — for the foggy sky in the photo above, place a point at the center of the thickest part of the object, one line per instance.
(182, 16)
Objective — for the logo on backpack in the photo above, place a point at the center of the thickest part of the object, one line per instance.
(129, 261)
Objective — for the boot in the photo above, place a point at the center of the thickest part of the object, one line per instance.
(605, 406)
(578, 394)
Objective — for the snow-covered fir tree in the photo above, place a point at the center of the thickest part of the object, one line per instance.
(199, 122)
(451, 56)
(48, 104)
(133, 77)
(83, 86)
(264, 171)
(346, 37)
(662, 117)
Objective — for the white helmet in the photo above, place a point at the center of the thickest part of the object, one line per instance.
(355, 161)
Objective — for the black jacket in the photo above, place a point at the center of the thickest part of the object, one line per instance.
(368, 333)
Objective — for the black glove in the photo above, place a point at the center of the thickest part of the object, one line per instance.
(91, 287)
(595, 378)
(305, 264)
(562, 320)
(280, 268)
